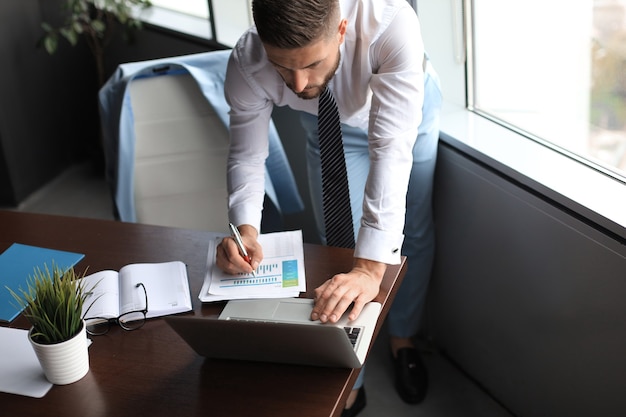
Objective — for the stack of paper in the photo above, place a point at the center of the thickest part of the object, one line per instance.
(280, 274)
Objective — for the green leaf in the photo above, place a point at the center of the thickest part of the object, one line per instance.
(78, 27)
(81, 7)
(70, 35)
(53, 304)
(123, 18)
(50, 42)
(99, 26)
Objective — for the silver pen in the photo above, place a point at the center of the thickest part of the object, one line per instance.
(235, 233)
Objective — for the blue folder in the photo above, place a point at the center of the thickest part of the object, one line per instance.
(18, 263)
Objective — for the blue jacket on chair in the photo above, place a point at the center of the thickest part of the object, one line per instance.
(116, 113)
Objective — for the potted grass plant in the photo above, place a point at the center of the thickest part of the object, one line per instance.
(53, 304)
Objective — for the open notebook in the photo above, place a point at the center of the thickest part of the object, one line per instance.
(279, 330)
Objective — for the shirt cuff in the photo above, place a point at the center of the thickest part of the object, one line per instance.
(240, 215)
(379, 246)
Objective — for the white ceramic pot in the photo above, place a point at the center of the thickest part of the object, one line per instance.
(65, 362)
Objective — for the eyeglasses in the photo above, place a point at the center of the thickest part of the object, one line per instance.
(133, 320)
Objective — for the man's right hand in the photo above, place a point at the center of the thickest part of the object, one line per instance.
(231, 261)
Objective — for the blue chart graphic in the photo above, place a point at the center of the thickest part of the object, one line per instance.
(266, 274)
(264, 269)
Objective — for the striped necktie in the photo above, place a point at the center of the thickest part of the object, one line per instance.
(335, 191)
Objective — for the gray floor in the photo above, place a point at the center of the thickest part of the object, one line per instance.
(78, 192)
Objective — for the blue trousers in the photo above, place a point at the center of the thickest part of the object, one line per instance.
(406, 312)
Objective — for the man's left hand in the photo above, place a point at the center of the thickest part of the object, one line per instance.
(360, 286)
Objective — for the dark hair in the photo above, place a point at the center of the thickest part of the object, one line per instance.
(294, 23)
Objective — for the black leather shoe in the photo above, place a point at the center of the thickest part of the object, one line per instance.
(411, 376)
(357, 407)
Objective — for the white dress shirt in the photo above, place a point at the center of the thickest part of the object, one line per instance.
(378, 87)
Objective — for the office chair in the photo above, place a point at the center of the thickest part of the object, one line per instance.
(180, 155)
(165, 130)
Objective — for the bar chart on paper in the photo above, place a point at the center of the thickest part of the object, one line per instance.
(276, 273)
(280, 274)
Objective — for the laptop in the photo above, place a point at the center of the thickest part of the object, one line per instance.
(279, 330)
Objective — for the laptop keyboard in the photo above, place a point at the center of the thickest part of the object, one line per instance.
(353, 334)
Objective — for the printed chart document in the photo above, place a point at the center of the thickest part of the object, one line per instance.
(280, 274)
(115, 293)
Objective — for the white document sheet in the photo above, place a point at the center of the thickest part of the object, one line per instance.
(20, 372)
(280, 275)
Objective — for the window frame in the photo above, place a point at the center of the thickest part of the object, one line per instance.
(200, 28)
(182, 24)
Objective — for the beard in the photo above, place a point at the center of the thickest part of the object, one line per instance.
(314, 91)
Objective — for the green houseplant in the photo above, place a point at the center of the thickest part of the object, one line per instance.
(95, 21)
(53, 304)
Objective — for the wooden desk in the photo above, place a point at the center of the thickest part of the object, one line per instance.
(151, 371)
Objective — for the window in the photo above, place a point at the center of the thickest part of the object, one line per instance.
(193, 17)
(190, 17)
(554, 70)
(198, 8)
(591, 190)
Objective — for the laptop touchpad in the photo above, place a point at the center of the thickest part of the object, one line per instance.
(293, 311)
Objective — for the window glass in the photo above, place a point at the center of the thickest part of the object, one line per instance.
(198, 8)
(231, 18)
(556, 70)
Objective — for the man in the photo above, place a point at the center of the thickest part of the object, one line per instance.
(370, 54)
